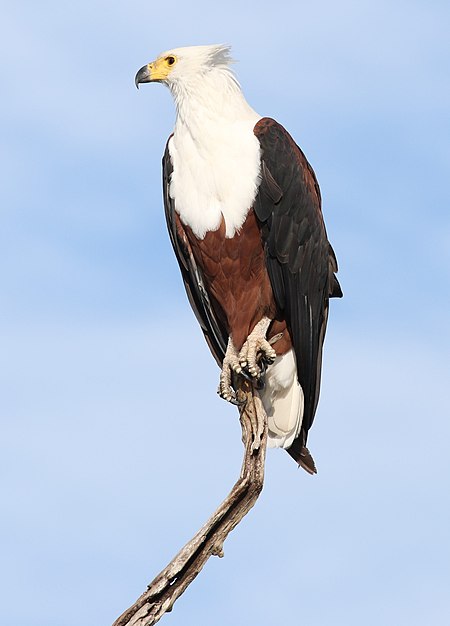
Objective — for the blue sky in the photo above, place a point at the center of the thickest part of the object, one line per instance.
(115, 447)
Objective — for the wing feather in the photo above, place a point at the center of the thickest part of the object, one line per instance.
(300, 260)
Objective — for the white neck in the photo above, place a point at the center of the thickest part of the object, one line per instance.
(214, 96)
(215, 154)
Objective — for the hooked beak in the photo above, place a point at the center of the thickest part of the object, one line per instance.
(143, 75)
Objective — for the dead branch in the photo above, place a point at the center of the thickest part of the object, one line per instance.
(181, 571)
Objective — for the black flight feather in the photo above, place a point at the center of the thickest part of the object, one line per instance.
(300, 260)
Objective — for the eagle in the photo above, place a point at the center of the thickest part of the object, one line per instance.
(243, 211)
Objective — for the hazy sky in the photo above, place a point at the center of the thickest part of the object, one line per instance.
(115, 447)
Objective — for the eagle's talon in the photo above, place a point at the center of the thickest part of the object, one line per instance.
(260, 383)
(236, 401)
(250, 363)
(225, 394)
(257, 352)
(246, 375)
(230, 396)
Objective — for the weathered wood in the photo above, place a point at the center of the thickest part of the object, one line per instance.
(174, 579)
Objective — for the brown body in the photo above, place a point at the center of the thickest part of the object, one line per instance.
(235, 274)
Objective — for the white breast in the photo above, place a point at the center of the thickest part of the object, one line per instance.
(216, 172)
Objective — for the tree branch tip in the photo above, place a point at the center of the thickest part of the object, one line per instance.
(218, 551)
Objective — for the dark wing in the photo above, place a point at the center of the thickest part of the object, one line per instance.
(300, 260)
(215, 333)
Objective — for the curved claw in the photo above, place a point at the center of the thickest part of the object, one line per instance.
(258, 380)
(231, 397)
(237, 402)
(246, 374)
(267, 360)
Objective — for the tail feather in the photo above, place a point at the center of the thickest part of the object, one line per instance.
(303, 456)
(283, 402)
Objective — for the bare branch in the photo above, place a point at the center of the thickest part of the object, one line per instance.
(181, 571)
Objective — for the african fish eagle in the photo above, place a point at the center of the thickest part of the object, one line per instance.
(243, 210)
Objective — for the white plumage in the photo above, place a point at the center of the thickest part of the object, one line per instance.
(282, 398)
(215, 154)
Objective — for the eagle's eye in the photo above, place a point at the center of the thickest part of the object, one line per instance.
(170, 60)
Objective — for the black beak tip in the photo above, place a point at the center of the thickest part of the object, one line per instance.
(143, 76)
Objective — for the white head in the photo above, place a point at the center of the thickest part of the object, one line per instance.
(201, 81)
(182, 66)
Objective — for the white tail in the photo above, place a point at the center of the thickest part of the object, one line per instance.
(282, 398)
